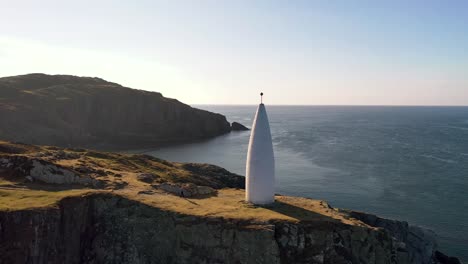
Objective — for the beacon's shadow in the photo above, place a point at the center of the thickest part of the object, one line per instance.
(296, 212)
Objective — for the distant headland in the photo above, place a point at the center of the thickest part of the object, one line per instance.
(70, 111)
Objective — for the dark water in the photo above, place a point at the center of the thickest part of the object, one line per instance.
(407, 163)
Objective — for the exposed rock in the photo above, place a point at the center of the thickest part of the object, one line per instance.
(5, 163)
(69, 111)
(412, 242)
(46, 172)
(146, 192)
(92, 168)
(60, 154)
(83, 169)
(204, 190)
(49, 173)
(147, 177)
(186, 189)
(441, 258)
(170, 188)
(213, 176)
(238, 127)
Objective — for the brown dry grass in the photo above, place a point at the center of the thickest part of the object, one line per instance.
(20, 199)
(228, 203)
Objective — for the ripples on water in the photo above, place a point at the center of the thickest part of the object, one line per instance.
(408, 163)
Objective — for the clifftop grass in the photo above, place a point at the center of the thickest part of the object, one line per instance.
(119, 174)
(20, 199)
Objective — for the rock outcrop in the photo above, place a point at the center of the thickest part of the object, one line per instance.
(66, 110)
(147, 177)
(186, 189)
(46, 172)
(93, 169)
(238, 127)
(414, 244)
(441, 258)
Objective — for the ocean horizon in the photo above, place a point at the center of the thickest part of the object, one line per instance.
(407, 163)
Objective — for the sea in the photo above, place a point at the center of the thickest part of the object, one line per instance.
(399, 162)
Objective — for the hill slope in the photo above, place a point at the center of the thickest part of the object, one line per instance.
(67, 110)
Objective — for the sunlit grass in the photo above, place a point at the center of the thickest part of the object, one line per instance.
(120, 174)
(25, 199)
(230, 204)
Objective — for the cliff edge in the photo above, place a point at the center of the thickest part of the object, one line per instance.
(67, 111)
(81, 206)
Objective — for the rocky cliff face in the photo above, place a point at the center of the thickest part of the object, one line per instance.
(106, 228)
(82, 206)
(80, 111)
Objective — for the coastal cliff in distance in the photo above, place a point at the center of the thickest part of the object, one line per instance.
(83, 206)
(70, 111)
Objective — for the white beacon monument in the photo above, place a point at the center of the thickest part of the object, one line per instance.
(260, 166)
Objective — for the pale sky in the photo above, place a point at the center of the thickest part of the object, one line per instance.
(225, 52)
